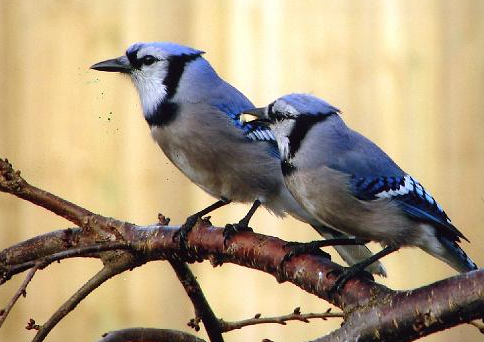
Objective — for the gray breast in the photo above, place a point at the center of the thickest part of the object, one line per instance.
(215, 155)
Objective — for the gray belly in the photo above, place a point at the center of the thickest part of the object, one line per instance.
(242, 172)
(325, 195)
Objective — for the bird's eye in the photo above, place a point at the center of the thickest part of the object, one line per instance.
(148, 60)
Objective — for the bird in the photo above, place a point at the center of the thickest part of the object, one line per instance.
(351, 185)
(193, 115)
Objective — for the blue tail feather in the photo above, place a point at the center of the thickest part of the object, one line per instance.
(456, 255)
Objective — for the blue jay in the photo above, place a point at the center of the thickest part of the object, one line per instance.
(193, 115)
(349, 184)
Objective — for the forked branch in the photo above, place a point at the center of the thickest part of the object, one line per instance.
(372, 311)
(22, 291)
(296, 315)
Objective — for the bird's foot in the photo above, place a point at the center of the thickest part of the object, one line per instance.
(181, 235)
(298, 248)
(347, 273)
(359, 269)
(314, 247)
(231, 229)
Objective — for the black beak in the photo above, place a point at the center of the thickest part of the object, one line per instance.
(120, 64)
(254, 115)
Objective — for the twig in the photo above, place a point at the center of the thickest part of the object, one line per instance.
(149, 335)
(20, 292)
(391, 314)
(396, 311)
(108, 271)
(8, 271)
(202, 307)
(294, 316)
(161, 246)
(194, 291)
(43, 245)
(12, 182)
(373, 311)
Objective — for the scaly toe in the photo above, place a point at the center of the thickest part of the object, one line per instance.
(231, 229)
(345, 275)
(182, 234)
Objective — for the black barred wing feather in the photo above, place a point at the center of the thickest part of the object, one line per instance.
(411, 196)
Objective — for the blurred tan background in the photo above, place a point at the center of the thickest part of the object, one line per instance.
(408, 74)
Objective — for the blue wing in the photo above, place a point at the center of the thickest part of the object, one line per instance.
(411, 196)
(251, 131)
(373, 175)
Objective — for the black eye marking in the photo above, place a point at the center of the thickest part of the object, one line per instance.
(133, 59)
(148, 60)
(136, 62)
(276, 115)
(303, 125)
(270, 113)
(176, 67)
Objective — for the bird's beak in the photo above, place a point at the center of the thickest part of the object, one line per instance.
(255, 114)
(120, 64)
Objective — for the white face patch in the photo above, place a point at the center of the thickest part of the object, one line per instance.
(284, 147)
(149, 79)
(149, 83)
(284, 107)
(281, 130)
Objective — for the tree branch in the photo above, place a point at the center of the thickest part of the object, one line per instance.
(363, 300)
(7, 271)
(20, 292)
(12, 182)
(44, 245)
(294, 316)
(149, 335)
(109, 270)
(372, 311)
(409, 315)
(195, 293)
(159, 244)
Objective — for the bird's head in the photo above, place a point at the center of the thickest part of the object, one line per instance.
(290, 117)
(282, 114)
(156, 70)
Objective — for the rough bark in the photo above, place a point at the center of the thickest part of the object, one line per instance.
(372, 311)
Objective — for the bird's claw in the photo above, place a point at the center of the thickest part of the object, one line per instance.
(299, 248)
(346, 274)
(181, 235)
(231, 229)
